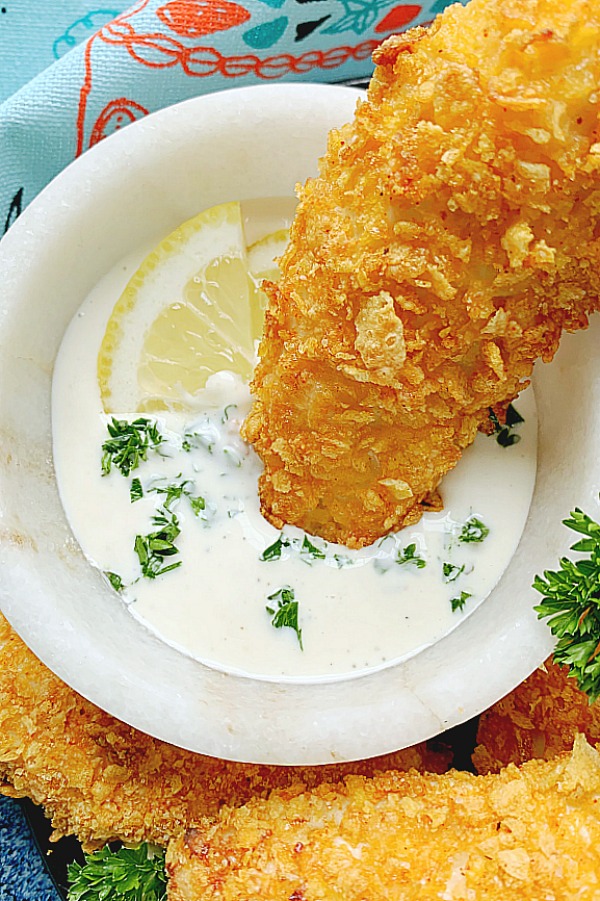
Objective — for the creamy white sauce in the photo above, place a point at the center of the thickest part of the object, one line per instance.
(357, 610)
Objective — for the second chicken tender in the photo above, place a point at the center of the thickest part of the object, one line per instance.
(539, 718)
(450, 238)
(521, 835)
(100, 779)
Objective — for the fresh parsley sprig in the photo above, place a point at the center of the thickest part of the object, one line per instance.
(129, 874)
(571, 604)
(285, 614)
(129, 443)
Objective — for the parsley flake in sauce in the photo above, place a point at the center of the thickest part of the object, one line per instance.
(409, 555)
(129, 443)
(155, 548)
(451, 571)
(136, 492)
(459, 602)
(473, 531)
(285, 614)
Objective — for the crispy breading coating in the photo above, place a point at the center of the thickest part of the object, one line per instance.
(101, 779)
(532, 833)
(538, 719)
(449, 239)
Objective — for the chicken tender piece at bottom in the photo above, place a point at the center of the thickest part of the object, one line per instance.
(538, 719)
(100, 779)
(532, 833)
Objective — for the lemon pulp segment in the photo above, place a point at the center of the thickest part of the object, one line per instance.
(193, 308)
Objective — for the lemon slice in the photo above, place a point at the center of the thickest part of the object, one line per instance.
(191, 309)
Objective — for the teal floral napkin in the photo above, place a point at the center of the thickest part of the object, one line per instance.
(72, 72)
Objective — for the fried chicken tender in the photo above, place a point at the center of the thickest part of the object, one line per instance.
(538, 719)
(449, 239)
(528, 833)
(101, 779)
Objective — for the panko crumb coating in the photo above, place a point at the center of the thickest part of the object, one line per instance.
(538, 719)
(449, 239)
(99, 779)
(523, 835)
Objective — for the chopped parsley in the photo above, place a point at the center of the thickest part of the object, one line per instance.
(505, 434)
(409, 555)
(342, 560)
(155, 548)
(273, 552)
(459, 602)
(571, 604)
(129, 443)
(473, 531)
(136, 492)
(308, 549)
(176, 490)
(128, 874)
(225, 415)
(115, 580)
(451, 571)
(193, 440)
(285, 614)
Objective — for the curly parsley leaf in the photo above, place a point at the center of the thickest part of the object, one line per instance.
(129, 874)
(285, 614)
(571, 604)
(129, 443)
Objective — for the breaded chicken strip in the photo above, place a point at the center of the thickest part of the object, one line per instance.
(450, 238)
(538, 719)
(100, 779)
(532, 833)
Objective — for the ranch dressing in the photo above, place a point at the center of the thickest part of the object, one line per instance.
(356, 610)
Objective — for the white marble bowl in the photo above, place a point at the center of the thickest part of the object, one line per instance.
(127, 192)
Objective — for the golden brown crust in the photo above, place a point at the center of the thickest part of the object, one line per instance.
(101, 779)
(538, 719)
(521, 835)
(449, 239)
